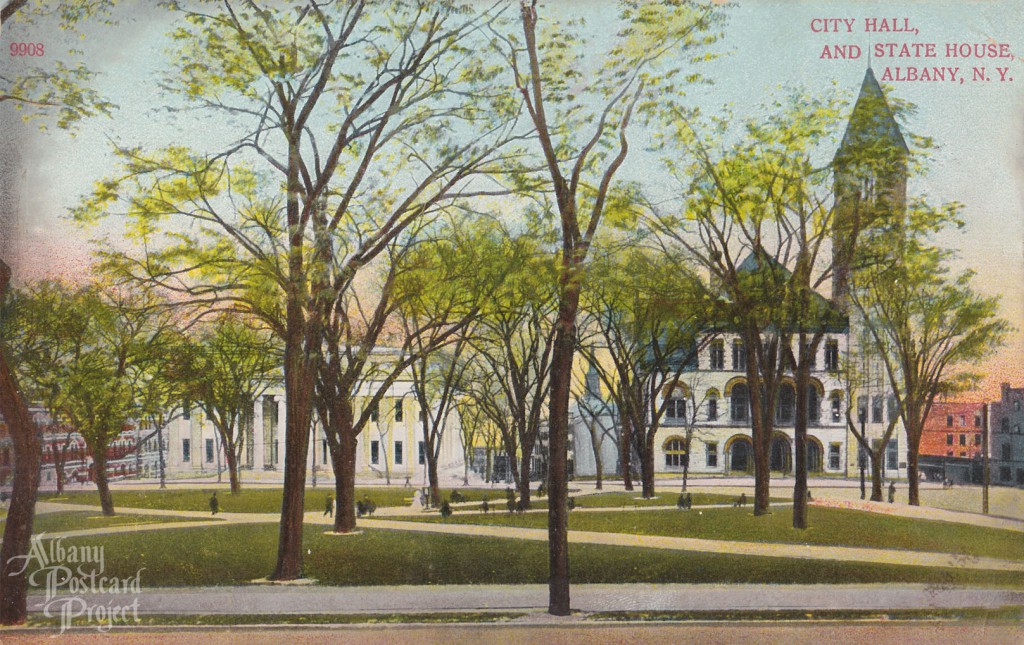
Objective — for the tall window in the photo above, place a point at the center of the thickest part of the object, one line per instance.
(832, 355)
(862, 409)
(740, 402)
(1007, 452)
(186, 450)
(949, 420)
(374, 412)
(963, 440)
(837, 406)
(398, 453)
(717, 355)
(675, 453)
(711, 453)
(374, 452)
(713, 408)
(675, 408)
(786, 404)
(833, 456)
(813, 405)
(739, 356)
(892, 455)
(422, 453)
(398, 410)
(876, 409)
(949, 439)
(1004, 425)
(209, 451)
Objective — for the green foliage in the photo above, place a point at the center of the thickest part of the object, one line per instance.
(83, 351)
(56, 90)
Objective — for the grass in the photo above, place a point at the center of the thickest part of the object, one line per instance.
(828, 526)
(238, 554)
(250, 500)
(78, 520)
(633, 498)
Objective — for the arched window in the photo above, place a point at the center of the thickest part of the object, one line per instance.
(713, 405)
(740, 402)
(675, 453)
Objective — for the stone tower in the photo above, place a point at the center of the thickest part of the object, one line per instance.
(870, 180)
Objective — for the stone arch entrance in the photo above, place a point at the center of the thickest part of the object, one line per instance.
(740, 453)
(779, 454)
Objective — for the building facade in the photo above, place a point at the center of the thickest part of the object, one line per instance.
(951, 443)
(1006, 445)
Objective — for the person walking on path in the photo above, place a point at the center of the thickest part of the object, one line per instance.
(329, 507)
(214, 504)
(892, 492)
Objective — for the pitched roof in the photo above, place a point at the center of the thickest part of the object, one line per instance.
(872, 120)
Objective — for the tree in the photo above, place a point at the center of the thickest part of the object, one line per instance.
(86, 347)
(21, 513)
(583, 148)
(335, 101)
(455, 275)
(509, 369)
(760, 221)
(225, 370)
(926, 323)
(649, 319)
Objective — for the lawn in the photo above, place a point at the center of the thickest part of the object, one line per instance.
(237, 554)
(669, 498)
(250, 500)
(828, 526)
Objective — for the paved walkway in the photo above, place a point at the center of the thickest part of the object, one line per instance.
(266, 599)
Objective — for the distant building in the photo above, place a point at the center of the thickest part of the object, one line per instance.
(951, 443)
(1006, 443)
(391, 445)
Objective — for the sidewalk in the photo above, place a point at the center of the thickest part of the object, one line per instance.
(262, 599)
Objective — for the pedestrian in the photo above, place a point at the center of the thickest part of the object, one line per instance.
(214, 504)
(892, 492)
(329, 507)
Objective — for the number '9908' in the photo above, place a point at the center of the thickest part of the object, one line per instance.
(27, 49)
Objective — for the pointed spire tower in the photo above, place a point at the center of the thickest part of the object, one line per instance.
(870, 178)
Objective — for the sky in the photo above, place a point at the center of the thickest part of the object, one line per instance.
(978, 126)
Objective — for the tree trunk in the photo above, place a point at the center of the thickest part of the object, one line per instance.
(297, 418)
(525, 470)
(232, 463)
(58, 468)
(595, 443)
(345, 481)
(876, 456)
(435, 487)
(626, 453)
(913, 445)
(558, 484)
(160, 452)
(99, 464)
(647, 466)
(803, 379)
(18, 526)
(761, 416)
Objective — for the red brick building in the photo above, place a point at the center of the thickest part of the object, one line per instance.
(951, 441)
